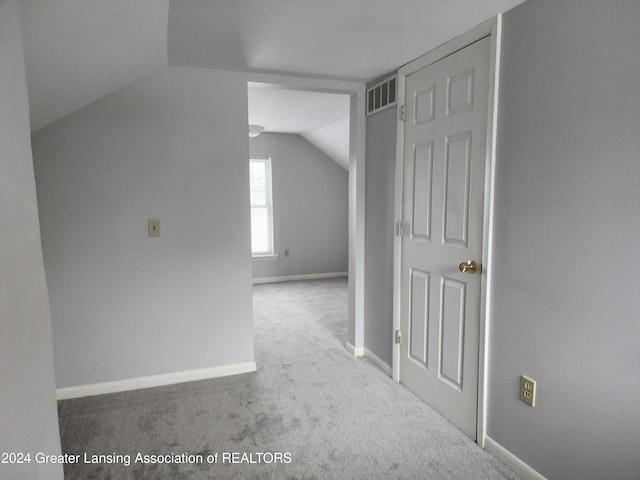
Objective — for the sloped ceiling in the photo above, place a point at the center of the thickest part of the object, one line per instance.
(321, 118)
(77, 51)
(333, 140)
(347, 39)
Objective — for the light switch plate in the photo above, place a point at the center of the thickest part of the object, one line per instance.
(154, 227)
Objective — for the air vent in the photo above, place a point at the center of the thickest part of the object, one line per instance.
(381, 96)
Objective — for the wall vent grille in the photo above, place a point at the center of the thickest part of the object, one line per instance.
(382, 95)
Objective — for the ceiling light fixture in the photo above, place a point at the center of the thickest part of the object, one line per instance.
(255, 130)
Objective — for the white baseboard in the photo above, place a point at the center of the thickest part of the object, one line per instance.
(377, 361)
(154, 381)
(369, 355)
(293, 278)
(509, 459)
(356, 352)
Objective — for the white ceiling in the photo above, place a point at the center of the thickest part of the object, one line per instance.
(77, 51)
(348, 39)
(321, 118)
(333, 140)
(293, 111)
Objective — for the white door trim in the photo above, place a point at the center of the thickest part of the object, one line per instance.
(357, 150)
(491, 27)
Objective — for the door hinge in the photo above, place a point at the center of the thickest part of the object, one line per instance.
(398, 337)
(403, 113)
(400, 229)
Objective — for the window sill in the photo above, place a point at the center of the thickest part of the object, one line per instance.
(264, 257)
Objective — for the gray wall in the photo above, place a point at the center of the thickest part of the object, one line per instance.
(310, 207)
(172, 146)
(566, 269)
(28, 416)
(565, 283)
(380, 189)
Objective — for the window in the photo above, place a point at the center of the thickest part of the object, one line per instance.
(261, 207)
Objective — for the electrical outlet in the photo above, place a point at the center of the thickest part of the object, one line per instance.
(154, 227)
(286, 252)
(528, 390)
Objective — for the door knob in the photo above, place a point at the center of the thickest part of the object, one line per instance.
(469, 266)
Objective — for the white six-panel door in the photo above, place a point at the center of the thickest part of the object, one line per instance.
(442, 217)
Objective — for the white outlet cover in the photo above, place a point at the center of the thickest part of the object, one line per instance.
(528, 390)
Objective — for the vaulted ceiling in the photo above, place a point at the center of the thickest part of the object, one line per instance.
(77, 51)
(321, 118)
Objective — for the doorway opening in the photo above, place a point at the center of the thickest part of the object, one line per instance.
(313, 135)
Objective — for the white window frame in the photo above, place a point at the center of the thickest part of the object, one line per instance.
(270, 252)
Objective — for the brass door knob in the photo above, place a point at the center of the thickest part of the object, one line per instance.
(469, 266)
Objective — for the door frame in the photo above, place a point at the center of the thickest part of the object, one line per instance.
(490, 28)
(356, 189)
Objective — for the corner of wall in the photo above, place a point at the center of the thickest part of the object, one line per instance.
(28, 418)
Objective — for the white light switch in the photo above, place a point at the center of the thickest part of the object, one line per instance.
(154, 227)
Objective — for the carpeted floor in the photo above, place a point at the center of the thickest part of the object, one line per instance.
(311, 411)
